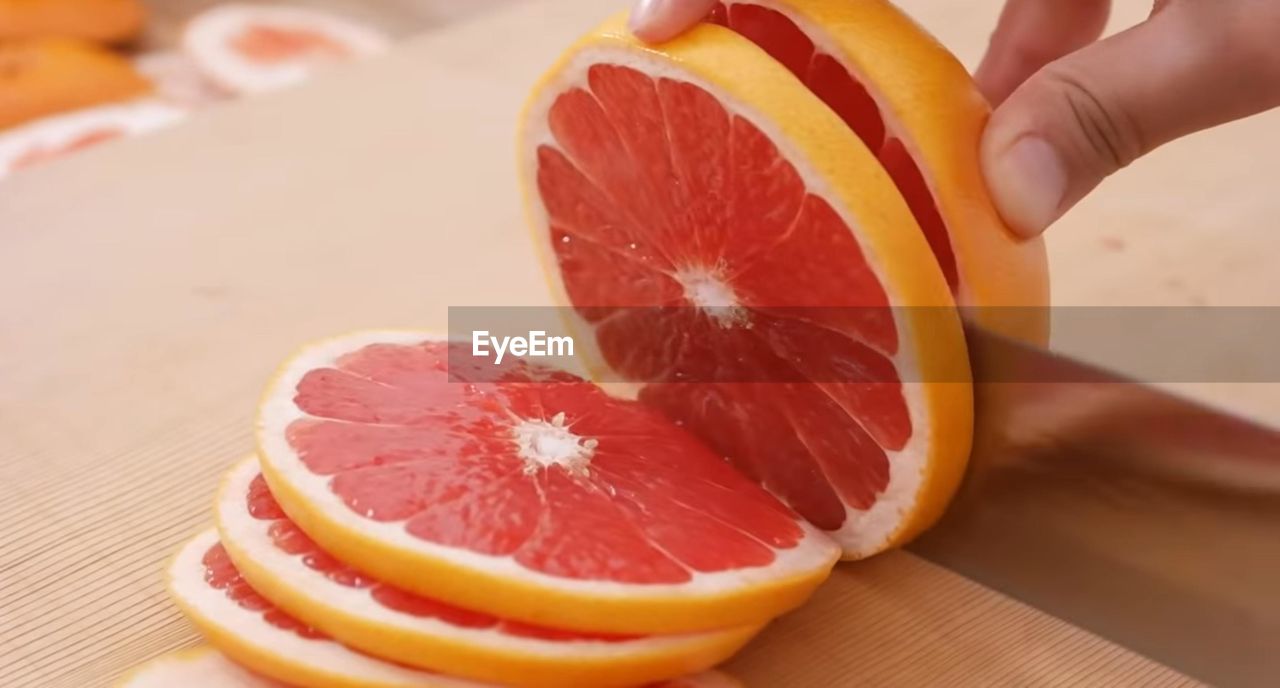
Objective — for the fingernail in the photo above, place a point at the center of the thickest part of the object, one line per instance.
(1029, 182)
(643, 15)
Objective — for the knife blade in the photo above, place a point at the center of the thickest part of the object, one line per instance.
(1141, 516)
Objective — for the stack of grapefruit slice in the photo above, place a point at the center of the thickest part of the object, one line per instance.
(755, 225)
(407, 522)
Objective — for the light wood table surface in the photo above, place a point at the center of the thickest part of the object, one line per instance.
(148, 288)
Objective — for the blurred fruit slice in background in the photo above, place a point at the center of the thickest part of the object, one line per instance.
(54, 137)
(103, 21)
(255, 48)
(45, 76)
(178, 80)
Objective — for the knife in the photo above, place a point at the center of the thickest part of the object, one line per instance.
(1128, 511)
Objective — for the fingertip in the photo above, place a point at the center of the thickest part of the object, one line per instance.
(1027, 179)
(655, 21)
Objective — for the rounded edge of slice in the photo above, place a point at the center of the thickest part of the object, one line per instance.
(482, 654)
(858, 187)
(938, 110)
(50, 135)
(204, 40)
(245, 636)
(211, 667)
(469, 580)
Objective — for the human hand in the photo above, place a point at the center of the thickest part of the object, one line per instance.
(1071, 109)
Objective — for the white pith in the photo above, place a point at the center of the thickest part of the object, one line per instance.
(293, 653)
(201, 667)
(812, 553)
(206, 40)
(863, 532)
(708, 292)
(250, 537)
(547, 443)
(131, 118)
(177, 80)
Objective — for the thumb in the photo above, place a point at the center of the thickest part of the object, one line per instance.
(1190, 66)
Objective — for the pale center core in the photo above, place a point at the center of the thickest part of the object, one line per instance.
(712, 296)
(543, 444)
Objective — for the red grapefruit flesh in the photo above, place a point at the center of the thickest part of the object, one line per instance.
(916, 109)
(841, 91)
(272, 45)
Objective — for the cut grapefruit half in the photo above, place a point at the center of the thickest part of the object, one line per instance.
(47, 76)
(252, 48)
(250, 630)
(288, 568)
(916, 108)
(196, 667)
(536, 497)
(805, 329)
(54, 137)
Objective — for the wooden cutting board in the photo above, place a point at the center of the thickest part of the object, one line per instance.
(148, 288)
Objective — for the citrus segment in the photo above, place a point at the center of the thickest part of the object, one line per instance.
(249, 49)
(54, 137)
(534, 497)
(769, 254)
(250, 630)
(916, 108)
(45, 76)
(198, 667)
(290, 569)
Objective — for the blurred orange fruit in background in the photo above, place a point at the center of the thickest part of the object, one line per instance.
(105, 21)
(40, 77)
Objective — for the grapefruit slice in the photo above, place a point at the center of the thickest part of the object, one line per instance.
(252, 48)
(177, 79)
(54, 137)
(535, 497)
(250, 630)
(40, 77)
(914, 105)
(281, 562)
(805, 329)
(107, 21)
(197, 667)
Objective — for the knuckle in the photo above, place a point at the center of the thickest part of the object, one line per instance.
(1101, 131)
